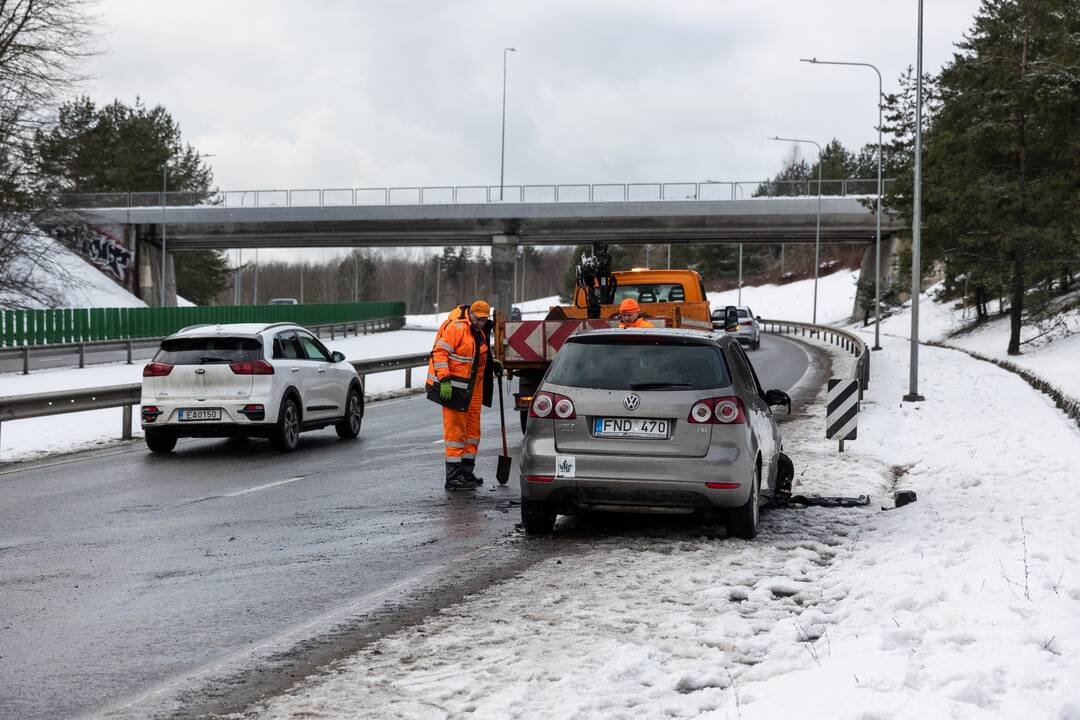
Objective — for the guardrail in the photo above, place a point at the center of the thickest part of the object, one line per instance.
(479, 194)
(62, 402)
(843, 339)
(79, 349)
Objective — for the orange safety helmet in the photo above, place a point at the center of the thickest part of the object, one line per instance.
(629, 305)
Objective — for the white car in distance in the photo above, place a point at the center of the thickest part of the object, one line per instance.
(265, 380)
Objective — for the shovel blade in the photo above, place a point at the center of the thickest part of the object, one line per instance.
(502, 472)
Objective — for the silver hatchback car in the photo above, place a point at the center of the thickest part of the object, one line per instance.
(665, 421)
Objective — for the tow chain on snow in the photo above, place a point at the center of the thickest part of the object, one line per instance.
(820, 501)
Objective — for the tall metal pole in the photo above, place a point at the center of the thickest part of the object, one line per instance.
(255, 282)
(355, 280)
(916, 228)
(877, 246)
(817, 232)
(502, 146)
(302, 269)
(239, 275)
(164, 181)
(669, 256)
(739, 301)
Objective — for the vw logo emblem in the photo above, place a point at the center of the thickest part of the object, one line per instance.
(200, 371)
(632, 401)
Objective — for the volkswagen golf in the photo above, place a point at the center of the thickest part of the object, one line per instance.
(663, 421)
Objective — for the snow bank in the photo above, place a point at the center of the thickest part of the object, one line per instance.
(84, 285)
(964, 604)
(530, 310)
(1055, 358)
(795, 301)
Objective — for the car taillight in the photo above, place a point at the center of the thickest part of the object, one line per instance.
(701, 412)
(542, 405)
(252, 367)
(746, 322)
(727, 410)
(156, 369)
(546, 404)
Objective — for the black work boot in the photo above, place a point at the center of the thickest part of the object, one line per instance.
(468, 466)
(455, 478)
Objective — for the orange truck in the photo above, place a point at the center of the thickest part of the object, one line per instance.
(668, 298)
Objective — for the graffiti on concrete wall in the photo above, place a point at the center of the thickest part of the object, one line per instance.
(102, 245)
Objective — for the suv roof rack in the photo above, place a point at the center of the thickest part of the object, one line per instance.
(192, 327)
(282, 324)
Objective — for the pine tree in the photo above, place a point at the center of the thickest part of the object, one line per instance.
(1002, 181)
(122, 148)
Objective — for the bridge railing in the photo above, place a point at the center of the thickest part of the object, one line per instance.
(480, 194)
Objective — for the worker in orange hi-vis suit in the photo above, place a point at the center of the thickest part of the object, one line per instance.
(630, 315)
(460, 378)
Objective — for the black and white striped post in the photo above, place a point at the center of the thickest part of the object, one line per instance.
(842, 410)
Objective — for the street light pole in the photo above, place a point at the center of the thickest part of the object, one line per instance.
(502, 150)
(739, 301)
(877, 251)
(817, 232)
(916, 227)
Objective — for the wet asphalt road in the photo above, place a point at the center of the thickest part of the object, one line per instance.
(134, 585)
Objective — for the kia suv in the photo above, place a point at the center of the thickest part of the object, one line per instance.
(665, 421)
(272, 381)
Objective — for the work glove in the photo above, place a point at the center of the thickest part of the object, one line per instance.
(445, 391)
(497, 367)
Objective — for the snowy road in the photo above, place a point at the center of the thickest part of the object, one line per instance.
(139, 583)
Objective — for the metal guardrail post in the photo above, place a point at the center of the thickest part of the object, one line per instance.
(126, 431)
(408, 378)
(129, 352)
(82, 356)
(26, 360)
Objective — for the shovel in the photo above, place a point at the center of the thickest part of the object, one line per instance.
(502, 473)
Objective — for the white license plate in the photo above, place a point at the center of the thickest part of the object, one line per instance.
(194, 414)
(631, 428)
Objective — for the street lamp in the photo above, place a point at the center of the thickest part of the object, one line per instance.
(877, 253)
(164, 190)
(502, 151)
(916, 229)
(817, 234)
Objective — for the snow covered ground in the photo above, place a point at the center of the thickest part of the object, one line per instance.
(82, 284)
(1055, 357)
(27, 439)
(965, 604)
(795, 301)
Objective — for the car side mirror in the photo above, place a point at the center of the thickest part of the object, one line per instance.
(731, 318)
(338, 356)
(778, 397)
(759, 318)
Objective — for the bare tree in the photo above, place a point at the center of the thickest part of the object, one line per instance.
(41, 41)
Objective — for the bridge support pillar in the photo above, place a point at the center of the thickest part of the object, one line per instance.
(503, 256)
(148, 275)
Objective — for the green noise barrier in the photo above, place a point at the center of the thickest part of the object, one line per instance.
(77, 325)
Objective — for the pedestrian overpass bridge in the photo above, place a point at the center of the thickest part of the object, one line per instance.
(129, 227)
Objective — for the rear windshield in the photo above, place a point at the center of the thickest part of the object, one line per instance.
(651, 293)
(208, 350)
(744, 313)
(644, 365)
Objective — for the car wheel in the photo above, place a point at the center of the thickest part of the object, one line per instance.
(524, 420)
(537, 517)
(742, 522)
(285, 435)
(785, 474)
(160, 441)
(349, 427)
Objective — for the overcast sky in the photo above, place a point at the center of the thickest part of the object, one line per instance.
(331, 93)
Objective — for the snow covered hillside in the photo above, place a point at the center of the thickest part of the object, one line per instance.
(79, 284)
(1054, 357)
(795, 301)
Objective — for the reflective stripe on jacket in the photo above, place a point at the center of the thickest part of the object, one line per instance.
(456, 352)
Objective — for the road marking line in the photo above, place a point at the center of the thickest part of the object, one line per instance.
(262, 487)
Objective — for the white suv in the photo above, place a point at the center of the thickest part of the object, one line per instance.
(248, 379)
